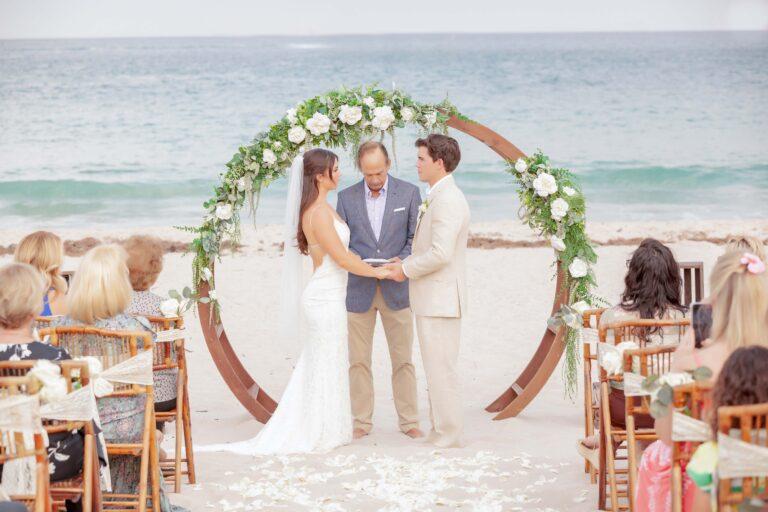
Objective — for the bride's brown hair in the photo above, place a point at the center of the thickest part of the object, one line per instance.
(316, 162)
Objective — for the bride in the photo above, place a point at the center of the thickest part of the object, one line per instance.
(314, 414)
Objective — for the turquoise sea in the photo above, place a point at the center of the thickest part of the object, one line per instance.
(136, 131)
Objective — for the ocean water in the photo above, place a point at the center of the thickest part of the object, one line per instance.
(134, 132)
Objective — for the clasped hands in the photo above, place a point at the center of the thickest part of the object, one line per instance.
(394, 270)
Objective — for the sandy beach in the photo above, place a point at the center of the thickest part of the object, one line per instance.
(524, 463)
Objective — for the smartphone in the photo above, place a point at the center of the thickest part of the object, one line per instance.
(701, 320)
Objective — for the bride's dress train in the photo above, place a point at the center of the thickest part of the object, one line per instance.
(314, 413)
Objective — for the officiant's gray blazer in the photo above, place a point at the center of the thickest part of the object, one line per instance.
(398, 227)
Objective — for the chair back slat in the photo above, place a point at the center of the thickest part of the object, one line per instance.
(750, 424)
(645, 331)
(166, 353)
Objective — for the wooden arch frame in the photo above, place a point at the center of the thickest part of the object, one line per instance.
(510, 403)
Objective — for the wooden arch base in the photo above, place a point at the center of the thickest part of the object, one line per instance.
(510, 403)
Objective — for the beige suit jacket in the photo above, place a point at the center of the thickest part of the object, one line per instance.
(437, 264)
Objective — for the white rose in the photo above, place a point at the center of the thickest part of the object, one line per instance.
(170, 307)
(578, 268)
(611, 362)
(207, 274)
(406, 113)
(297, 134)
(268, 157)
(244, 184)
(383, 117)
(350, 115)
(559, 208)
(212, 294)
(557, 243)
(520, 165)
(545, 184)
(431, 118)
(369, 101)
(291, 115)
(318, 124)
(224, 211)
(569, 191)
(580, 306)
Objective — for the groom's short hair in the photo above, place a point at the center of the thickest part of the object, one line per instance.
(368, 147)
(442, 147)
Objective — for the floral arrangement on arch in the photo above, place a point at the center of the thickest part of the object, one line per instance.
(551, 201)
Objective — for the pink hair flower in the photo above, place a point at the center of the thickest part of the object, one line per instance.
(754, 264)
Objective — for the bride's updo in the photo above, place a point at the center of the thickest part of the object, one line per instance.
(316, 162)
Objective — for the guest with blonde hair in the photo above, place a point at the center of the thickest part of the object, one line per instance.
(45, 251)
(739, 299)
(145, 262)
(20, 288)
(100, 294)
(746, 243)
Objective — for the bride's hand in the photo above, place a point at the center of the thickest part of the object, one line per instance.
(381, 273)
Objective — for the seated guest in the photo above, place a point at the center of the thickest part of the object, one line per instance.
(739, 298)
(145, 262)
(743, 380)
(20, 288)
(99, 296)
(45, 252)
(744, 243)
(651, 291)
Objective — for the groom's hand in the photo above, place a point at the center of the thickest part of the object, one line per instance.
(396, 271)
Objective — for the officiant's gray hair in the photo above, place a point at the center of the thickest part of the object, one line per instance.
(368, 147)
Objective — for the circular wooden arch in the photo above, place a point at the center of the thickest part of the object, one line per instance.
(510, 403)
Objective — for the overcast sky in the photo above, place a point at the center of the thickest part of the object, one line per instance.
(168, 18)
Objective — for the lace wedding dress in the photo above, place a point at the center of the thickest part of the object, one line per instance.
(314, 413)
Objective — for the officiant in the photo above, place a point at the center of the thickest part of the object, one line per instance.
(381, 212)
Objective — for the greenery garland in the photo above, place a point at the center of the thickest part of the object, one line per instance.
(551, 201)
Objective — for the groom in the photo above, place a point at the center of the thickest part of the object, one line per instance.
(437, 272)
(381, 212)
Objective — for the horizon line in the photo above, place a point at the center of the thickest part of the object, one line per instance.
(374, 34)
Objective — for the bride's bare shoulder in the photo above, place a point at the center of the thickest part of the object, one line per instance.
(318, 214)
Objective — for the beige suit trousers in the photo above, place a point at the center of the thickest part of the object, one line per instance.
(439, 341)
(398, 327)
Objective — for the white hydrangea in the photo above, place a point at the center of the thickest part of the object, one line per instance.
(557, 243)
(318, 124)
(350, 115)
(297, 134)
(383, 117)
(569, 191)
(245, 184)
(369, 101)
(559, 208)
(224, 211)
(578, 268)
(521, 165)
(277, 144)
(545, 184)
(406, 113)
(268, 157)
(431, 118)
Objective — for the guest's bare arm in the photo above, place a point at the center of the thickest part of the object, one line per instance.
(325, 234)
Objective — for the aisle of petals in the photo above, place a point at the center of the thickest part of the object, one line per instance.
(425, 481)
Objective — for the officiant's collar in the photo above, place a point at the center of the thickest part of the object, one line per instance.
(382, 190)
(431, 190)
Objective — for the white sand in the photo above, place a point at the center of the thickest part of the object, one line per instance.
(527, 463)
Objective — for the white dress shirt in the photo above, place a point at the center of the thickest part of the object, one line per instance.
(376, 206)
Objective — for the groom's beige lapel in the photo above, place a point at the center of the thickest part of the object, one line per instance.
(437, 273)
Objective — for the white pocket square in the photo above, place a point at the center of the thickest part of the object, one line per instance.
(398, 210)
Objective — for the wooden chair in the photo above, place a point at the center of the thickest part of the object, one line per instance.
(13, 447)
(750, 422)
(170, 355)
(692, 273)
(111, 348)
(86, 486)
(641, 332)
(693, 400)
(591, 321)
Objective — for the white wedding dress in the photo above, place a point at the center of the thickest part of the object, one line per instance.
(314, 414)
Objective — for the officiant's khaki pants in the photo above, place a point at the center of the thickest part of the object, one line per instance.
(398, 327)
(439, 341)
